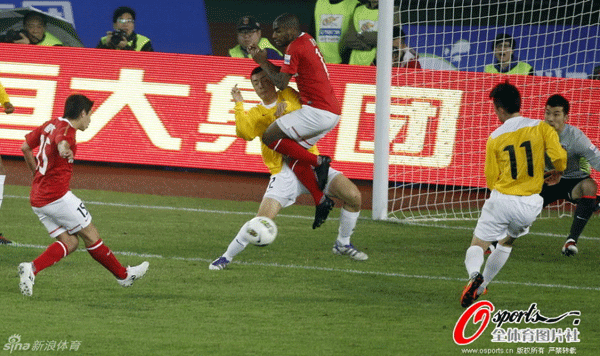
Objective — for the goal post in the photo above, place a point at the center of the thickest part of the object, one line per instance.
(382, 110)
(431, 124)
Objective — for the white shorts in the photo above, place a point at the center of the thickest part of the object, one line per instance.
(65, 214)
(307, 125)
(285, 186)
(507, 215)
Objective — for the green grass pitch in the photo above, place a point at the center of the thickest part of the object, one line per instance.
(293, 297)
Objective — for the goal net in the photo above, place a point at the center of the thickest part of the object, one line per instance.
(440, 115)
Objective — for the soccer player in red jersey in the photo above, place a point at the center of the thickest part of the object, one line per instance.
(62, 213)
(294, 133)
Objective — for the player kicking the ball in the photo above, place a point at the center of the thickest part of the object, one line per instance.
(294, 133)
(284, 187)
(514, 172)
(62, 213)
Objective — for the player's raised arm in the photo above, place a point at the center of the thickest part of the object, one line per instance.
(237, 94)
(281, 80)
(244, 120)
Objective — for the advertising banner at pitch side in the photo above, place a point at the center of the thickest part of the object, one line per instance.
(176, 110)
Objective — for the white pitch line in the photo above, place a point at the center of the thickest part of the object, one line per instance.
(164, 207)
(210, 211)
(325, 269)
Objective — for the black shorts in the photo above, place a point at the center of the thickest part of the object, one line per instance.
(561, 190)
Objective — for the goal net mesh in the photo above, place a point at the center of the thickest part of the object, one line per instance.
(441, 114)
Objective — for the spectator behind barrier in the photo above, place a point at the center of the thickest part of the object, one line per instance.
(402, 55)
(249, 35)
(124, 37)
(34, 32)
(333, 18)
(361, 37)
(504, 47)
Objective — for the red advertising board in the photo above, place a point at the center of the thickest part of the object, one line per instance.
(176, 110)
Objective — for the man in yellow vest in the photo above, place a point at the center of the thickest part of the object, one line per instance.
(504, 51)
(35, 33)
(333, 18)
(362, 37)
(124, 37)
(249, 35)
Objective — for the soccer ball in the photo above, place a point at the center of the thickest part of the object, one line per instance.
(261, 231)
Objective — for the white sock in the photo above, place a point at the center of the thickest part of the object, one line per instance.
(494, 263)
(473, 259)
(347, 224)
(2, 178)
(238, 244)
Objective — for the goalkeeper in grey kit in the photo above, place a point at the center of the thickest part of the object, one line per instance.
(575, 185)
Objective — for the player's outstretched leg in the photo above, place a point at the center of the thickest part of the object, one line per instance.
(583, 212)
(470, 292)
(569, 249)
(219, 264)
(237, 245)
(133, 274)
(26, 278)
(322, 211)
(349, 250)
(348, 219)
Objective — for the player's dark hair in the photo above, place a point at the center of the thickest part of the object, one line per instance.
(287, 21)
(75, 104)
(558, 100)
(506, 96)
(256, 70)
(123, 10)
(33, 15)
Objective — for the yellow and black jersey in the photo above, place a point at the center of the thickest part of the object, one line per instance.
(253, 123)
(514, 160)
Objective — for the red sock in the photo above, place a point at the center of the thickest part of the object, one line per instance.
(101, 253)
(291, 148)
(306, 176)
(53, 254)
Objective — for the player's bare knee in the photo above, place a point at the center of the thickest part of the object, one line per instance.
(89, 235)
(507, 241)
(589, 187)
(354, 199)
(70, 241)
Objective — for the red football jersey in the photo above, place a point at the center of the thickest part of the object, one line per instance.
(303, 58)
(53, 173)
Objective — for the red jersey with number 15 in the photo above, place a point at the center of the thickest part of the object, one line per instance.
(53, 173)
(303, 58)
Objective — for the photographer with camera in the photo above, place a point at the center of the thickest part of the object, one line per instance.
(33, 32)
(124, 37)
